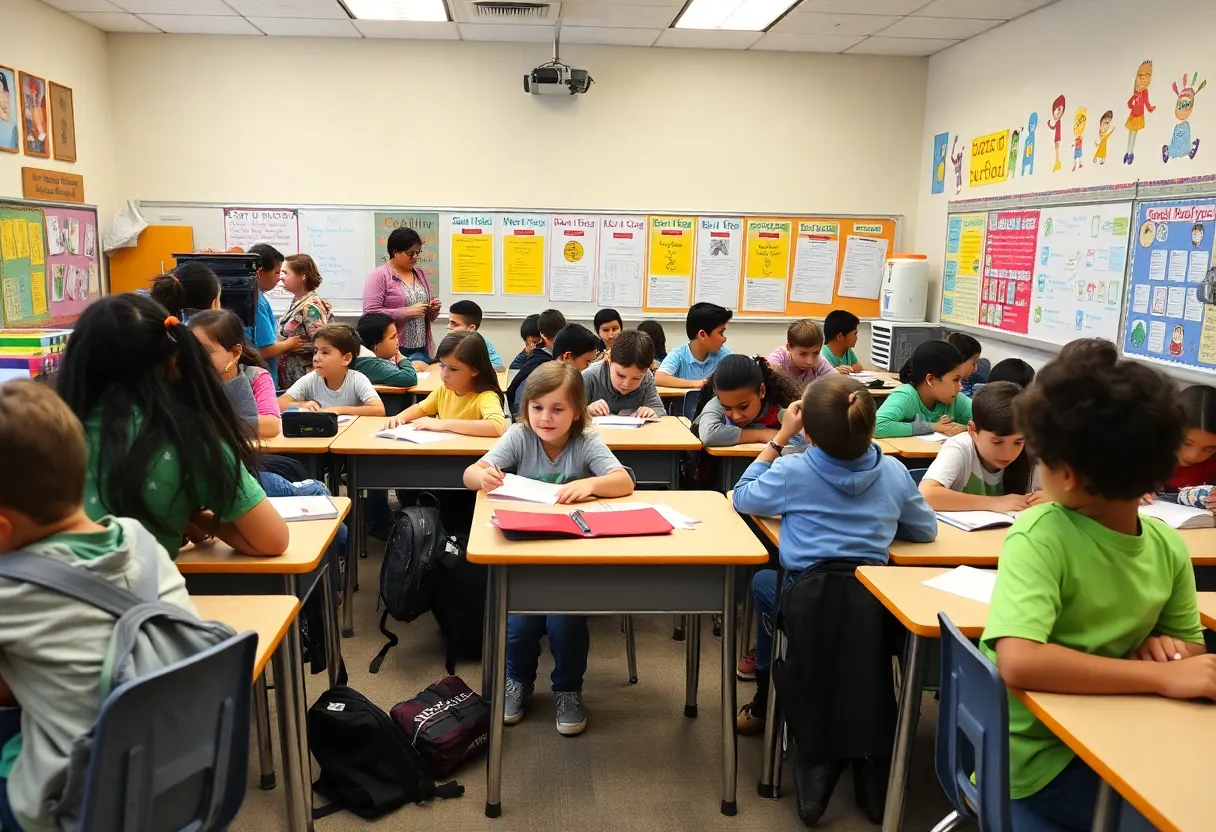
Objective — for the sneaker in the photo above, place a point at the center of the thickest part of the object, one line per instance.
(750, 721)
(746, 669)
(516, 694)
(571, 718)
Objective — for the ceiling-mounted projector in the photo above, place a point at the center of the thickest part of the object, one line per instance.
(557, 79)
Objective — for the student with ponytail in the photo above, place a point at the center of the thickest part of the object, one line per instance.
(743, 401)
(930, 398)
(164, 445)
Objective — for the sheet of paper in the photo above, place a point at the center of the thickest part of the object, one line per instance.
(864, 260)
(1140, 300)
(1176, 302)
(521, 489)
(933, 437)
(617, 421)
(423, 376)
(622, 258)
(407, 433)
(304, 508)
(345, 419)
(719, 261)
(523, 240)
(573, 242)
(966, 582)
(1198, 267)
(1177, 266)
(1157, 265)
(471, 253)
(672, 516)
(768, 265)
(815, 259)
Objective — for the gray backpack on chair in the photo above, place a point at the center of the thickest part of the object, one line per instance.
(149, 635)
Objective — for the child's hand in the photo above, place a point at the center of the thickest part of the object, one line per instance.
(1013, 502)
(1036, 498)
(1189, 679)
(1160, 649)
(598, 407)
(645, 413)
(791, 423)
(1148, 499)
(428, 423)
(491, 478)
(576, 492)
(310, 406)
(948, 426)
(395, 422)
(845, 368)
(293, 343)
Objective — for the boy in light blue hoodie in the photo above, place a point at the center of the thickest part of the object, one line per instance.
(841, 500)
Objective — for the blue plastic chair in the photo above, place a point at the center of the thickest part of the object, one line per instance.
(918, 474)
(690, 404)
(171, 749)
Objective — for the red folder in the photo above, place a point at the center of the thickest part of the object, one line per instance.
(532, 525)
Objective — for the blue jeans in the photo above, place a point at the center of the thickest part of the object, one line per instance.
(419, 355)
(1066, 802)
(276, 486)
(569, 642)
(764, 595)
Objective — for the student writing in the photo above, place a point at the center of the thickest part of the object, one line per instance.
(930, 397)
(332, 387)
(164, 446)
(622, 383)
(551, 442)
(379, 356)
(470, 400)
(742, 402)
(239, 366)
(801, 356)
(529, 332)
(1091, 597)
(985, 468)
(840, 336)
(688, 365)
(574, 344)
(465, 316)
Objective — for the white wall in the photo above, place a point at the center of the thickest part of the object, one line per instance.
(43, 41)
(1087, 50)
(285, 120)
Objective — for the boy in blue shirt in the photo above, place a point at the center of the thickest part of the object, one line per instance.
(465, 315)
(264, 334)
(841, 500)
(688, 365)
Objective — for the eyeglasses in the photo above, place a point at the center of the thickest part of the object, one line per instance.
(413, 255)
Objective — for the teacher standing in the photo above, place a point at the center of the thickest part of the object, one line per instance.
(400, 289)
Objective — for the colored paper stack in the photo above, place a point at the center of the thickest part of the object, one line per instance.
(30, 353)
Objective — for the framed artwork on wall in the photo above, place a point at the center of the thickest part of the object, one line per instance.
(63, 122)
(35, 133)
(10, 111)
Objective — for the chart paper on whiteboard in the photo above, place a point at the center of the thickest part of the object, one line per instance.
(671, 262)
(523, 238)
(622, 258)
(572, 255)
(816, 254)
(338, 241)
(864, 259)
(719, 261)
(278, 227)
(768, 265)
(471, 238)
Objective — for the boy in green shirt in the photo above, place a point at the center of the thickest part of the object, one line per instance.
(1092, 598)
(839, 338)
(379, 357)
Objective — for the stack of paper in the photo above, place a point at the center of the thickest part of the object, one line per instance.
(345, 419)
(967, 582)
(521, 489)
(933, 437)
(1179, 517)
(675, 518)
(971, 521)
(865, 377)
(423, 376)
(408, 433)
(620, 421)
(304, 508)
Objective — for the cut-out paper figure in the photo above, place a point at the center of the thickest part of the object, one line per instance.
(956, 157)
(940, 151)
(1079, 120)
(1011, 169)
(1181, 144)
(1176, 339)
(1197, 235)
(1055, 123)
(1105, 128)
(1137, 105)
(1028, 150)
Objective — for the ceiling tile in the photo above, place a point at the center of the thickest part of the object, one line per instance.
(513, 32)
(899, 46)
(325, 9)
(609, 37)
(407, 29)
(112, 22)
(584, 13)
(895, 7)
(707, 38)
(673, 4)
(791, 42)
(818, 23)
(83, 5)
(987, 9)
(186, 7)
(938, 27)
(306, 27)
(188, 24)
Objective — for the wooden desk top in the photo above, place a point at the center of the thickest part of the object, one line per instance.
(667, 434)
(295, 445)
(386, 390)
(673, 392)
(912, 448)
(267, 615)
(1207, 609)
(309, 540)
(1157, 753)
(434, 381)
(753, 449)
(720, 538)
(902, 591)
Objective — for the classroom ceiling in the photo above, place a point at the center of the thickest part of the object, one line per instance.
(869, 27)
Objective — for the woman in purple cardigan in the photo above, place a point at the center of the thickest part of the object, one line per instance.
(400, 289)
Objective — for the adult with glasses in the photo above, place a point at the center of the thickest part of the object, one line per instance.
(401, 290)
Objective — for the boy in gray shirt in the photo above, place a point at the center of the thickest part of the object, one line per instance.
(52, 647)
(623, 384)
(332, 386)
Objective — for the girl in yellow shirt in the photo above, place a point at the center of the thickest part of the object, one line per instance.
(470, 400)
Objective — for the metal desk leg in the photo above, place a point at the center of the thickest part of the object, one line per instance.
(729, 741)
(355, 547)
(677, 633)
(261, 718)
(289, 688)
(745, 626)
(692, 665)
(631, 649)
(905, 733)
(489, 672)
(770, 763)
(329, 615)
(1106, 812)
(498, 704)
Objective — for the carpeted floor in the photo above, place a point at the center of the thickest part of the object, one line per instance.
(640, 766)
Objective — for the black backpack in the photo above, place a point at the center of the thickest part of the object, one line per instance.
(459, 607)
(368, 765)
(417, 549)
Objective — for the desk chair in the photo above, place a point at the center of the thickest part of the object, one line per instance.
(171, 750)
(689, 410)
(918, 474)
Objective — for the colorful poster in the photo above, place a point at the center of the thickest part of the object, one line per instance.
(427, 226)
(471, 238)
(338, 241)
(768, 265)
(76, 263)
(622, 259)
(572, 257)
(937, 179)
(523, 238)
(1079, 277)
(1009, 261)
(963, 267)
(816, 254)
(865, 258)
(719, 261)
(1167, 318)
(245, 227)
(989, 156)
(23, 296)
(670, 263)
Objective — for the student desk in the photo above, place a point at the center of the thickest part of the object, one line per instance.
(686, 572)
(275, 619)
(434, 381)
(308, 451)
(396, 399)
(1207, 609)
(732, 460)
(911, 447)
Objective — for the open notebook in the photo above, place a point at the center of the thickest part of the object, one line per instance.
(1179, 517)
(408, 433)
(304, 508)
(974, 521)
(621, 421)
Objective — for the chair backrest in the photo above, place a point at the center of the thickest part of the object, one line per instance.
(973, 733)
(171, 749)
(918, 474)
(690, 404)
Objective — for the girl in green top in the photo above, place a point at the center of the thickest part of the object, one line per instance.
(164, 445)
(930, 398)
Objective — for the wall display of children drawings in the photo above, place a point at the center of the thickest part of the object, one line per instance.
(941, 142)
(1137, 106)
(10, 111)
(34, 116)
(1181, 145)
(63, 122)
(74, 264)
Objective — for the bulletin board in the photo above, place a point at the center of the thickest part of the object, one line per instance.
(50, 267)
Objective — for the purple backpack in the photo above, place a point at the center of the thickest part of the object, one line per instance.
(448, 724)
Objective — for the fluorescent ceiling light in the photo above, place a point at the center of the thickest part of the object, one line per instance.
(738, 15)
(415, 10)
